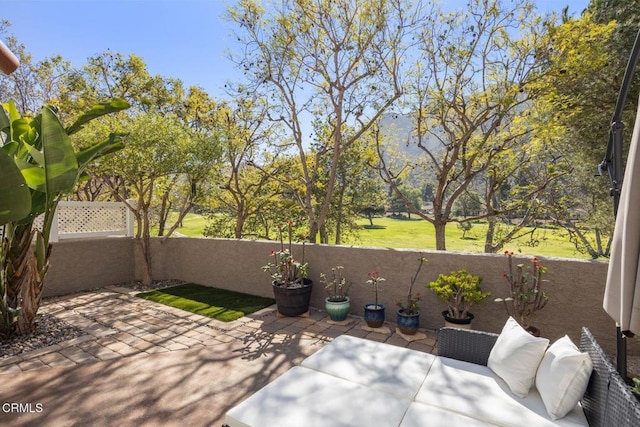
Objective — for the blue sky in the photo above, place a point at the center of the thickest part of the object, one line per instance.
(185, 39)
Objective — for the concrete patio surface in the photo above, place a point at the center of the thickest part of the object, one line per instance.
(141, 363)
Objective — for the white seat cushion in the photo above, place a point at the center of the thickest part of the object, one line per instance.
(421, 415)
(475, 391)
(563, 377)
(515, 357)
(384, 367)
(304, 397)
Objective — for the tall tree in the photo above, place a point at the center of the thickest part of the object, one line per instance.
(467, 96)
(334, 60)
(584, 71)
(247, 190)
(358, 187)
(161, 153)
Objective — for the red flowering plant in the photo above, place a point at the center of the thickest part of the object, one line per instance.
(526, 295)
(285, 270)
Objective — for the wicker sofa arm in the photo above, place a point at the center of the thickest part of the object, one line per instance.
(608, 400)
(466, 344)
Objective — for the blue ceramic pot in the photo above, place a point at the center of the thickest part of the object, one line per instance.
(408, 323)
(374, 315)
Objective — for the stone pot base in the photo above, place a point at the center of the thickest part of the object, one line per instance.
(280, 315)
(409, 338)
(382, 330)
(345, 322)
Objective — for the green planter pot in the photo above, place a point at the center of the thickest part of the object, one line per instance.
(293, 301)
(337, 310)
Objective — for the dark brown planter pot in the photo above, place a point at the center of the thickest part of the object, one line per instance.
(293, 301)
(457, 323)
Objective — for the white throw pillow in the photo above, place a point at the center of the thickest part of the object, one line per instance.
(516, 356)
(563, 377)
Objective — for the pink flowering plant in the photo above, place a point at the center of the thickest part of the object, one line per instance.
(526, 295)
(374, 280)
(337, 287)
(285, 270)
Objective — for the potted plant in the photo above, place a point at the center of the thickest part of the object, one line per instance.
(291, 287)
(635, 387)
(408, 309)
(460, 290)
(337, 302)
(526, 295)
(374, 312)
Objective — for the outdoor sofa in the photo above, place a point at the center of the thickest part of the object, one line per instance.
(358, 382)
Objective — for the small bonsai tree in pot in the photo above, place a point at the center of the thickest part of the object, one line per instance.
(408, 309)
(374, 312)
(461, 291)
(337, 303)
(526, 296)
(291, 287)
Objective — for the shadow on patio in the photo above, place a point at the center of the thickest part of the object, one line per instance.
(154, 385)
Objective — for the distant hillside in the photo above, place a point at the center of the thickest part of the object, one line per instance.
(397, 129)
(400, 145)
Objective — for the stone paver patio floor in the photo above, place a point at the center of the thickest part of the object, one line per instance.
(143, 363)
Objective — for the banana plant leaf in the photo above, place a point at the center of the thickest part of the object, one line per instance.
(113, 144)
(98, 110)
(61, 166)
(15, 202)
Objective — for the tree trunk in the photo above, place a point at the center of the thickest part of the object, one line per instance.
(324, 235)
(239, 226)
(165, 208)
(313, 231)
(144, 244)
(16, 252)
(145, 256)
(488, 239)
(339, 216)
(440, 236)
(25, 277)
(32, 292)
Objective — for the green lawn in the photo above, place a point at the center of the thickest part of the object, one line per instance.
(193, 225)
(419, 234)
(216, 303)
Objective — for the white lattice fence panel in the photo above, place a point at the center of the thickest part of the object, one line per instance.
(90, 219)
(78, 217)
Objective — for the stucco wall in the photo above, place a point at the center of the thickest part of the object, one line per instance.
(82, 264)
(575, 287)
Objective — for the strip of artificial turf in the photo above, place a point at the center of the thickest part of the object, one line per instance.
(216, 303)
